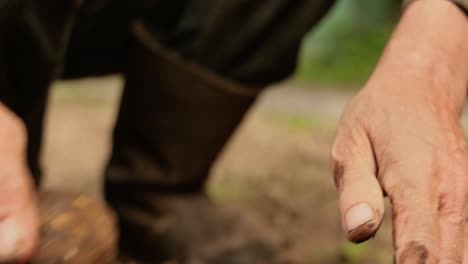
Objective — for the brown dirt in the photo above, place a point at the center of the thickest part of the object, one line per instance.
(275, 166)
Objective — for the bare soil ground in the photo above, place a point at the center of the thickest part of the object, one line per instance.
(275, 166)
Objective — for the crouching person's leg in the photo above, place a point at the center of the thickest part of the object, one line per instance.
(181, 103)
(175, 118)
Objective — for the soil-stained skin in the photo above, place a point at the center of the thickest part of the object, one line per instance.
(362, 233)
(367, 230)
(414, 253)
(338, 170)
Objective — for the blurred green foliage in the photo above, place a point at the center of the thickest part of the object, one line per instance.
(352, 253)
(298, 122)
(346, 45)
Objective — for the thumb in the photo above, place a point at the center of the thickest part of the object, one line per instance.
(360, 195)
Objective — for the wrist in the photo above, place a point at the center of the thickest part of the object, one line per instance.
(428, 51)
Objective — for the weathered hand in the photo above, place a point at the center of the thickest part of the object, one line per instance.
(18, 213)
(401, 136)
(407, 143)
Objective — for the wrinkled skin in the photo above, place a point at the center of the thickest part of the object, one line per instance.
(422, 165)
(401, 136)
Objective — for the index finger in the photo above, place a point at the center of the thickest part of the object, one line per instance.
(413, 195)
(451, 210)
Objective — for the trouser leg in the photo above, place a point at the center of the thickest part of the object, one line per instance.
(185, 96)
(100, 39)
(34, 36)
(174, 119)
(188, 85)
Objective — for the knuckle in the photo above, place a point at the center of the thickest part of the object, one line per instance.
(338, 172)
(400, 208)
(401, 190)
(338, 152)
(451, 207)
(338, 169)
(453, 187)
(337, 161)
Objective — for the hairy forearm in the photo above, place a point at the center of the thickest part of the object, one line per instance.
(429, 46)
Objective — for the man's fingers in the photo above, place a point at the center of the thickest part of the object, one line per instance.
(361, 205)
(413, 194)
(451, 210)
(429, 211)
(451, 238)
(361, 198)
(415, 230)
(426, 230)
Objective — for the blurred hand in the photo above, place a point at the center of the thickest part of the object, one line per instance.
(18, 213)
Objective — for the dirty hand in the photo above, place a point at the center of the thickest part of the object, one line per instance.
(401, 136)
(413, 148)
(18, 213)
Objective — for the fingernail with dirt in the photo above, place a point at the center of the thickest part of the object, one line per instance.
(357, 216)
(11, 238)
